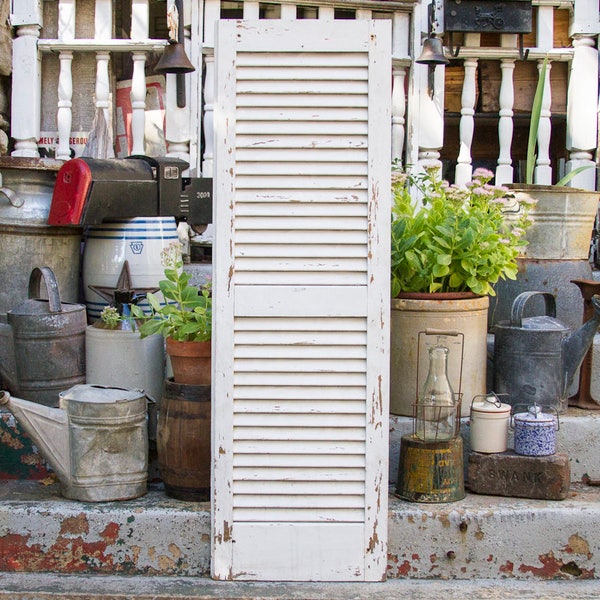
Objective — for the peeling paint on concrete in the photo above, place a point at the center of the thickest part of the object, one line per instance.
(152, 535)
(497, 538)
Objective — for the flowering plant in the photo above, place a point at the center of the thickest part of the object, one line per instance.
(456, 238)
(187, 313)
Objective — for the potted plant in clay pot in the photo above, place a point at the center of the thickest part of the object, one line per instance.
(185, 320)
(448, 250)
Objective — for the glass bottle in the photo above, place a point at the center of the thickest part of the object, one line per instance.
(435, 418)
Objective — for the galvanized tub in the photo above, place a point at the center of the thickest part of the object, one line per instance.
(26, 241)
(49, 341)
(108, 443)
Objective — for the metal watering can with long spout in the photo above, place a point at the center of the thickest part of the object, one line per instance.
(96, 441)
(536, 358)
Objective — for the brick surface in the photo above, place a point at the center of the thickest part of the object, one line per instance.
(510, 474)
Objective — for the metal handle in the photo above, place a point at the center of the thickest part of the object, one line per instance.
(13, 198)
(528, 408)
(518, 306)
(51, 285)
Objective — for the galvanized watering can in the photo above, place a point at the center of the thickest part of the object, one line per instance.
(44, 348)
(536, 358)
(96, 441)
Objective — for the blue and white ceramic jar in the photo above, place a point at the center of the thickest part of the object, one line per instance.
(535, 432)
(139, 241)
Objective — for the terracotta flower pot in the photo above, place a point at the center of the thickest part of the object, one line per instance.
(190, 361)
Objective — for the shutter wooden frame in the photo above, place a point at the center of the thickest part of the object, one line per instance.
(266, 523)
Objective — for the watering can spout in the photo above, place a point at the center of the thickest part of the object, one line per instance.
(578, 343)
(47, 427)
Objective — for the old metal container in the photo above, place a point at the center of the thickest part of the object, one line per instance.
(430, 471)
(49, 342)
(535, 431)
(536, 358)
(96, 441)
(489, 424)
(26, 240)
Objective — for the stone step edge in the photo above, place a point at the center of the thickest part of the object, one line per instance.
(48, 586)
(480, 537)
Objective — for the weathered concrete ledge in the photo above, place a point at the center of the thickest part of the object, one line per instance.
(487, 537)
(48, 586)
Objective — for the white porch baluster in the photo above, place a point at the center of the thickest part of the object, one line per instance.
(251, 10)
(326, 12)
(26, 81)
(543, 169)
(400, 60)
(464, 168)
(64, 116)
(212, 11)
(139, 31)
(177, 118)
(138, 103)
(582, 100)
(102, 32)
(431, 104)
(288, 11)
(504, 170)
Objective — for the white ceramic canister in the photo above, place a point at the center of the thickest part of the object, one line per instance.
(535, 431)
(490, 420)
(120, 357)
(139, 241)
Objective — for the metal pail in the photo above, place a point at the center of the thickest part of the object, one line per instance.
(26, 240)
(108, 443)
(49, 341)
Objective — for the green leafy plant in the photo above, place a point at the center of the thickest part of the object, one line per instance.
(534, 125)
(187, 313)
(456, 238)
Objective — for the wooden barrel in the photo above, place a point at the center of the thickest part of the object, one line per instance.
(183, 440)
(430, 471)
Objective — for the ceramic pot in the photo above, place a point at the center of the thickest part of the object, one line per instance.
(459, 323)
(190, 361)
(535, 432)
(489, 424)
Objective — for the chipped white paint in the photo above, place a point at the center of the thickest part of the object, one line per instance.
(301, 293)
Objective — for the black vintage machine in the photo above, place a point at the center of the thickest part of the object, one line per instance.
(90, 190)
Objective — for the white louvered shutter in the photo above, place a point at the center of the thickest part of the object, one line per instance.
(301, 288)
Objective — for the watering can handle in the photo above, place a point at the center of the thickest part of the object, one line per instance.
(51, 286)
(518, 306)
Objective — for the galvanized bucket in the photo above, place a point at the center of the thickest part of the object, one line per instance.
(108, 436)
(49, 341)
(26, 240)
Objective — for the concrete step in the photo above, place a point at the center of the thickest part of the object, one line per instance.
(76, 587)
(480, 537)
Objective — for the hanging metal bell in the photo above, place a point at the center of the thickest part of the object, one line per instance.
(174, 60)
(433, 52)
